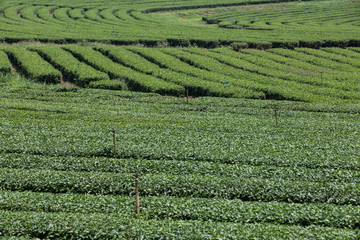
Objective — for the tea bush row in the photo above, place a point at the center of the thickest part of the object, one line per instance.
(195, 86)
(248, 189)
(115, 226)
(135, 80)
(174, 167)
(72, 69)
(32, 65)
(199, 209)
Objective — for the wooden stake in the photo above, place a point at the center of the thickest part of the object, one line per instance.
(114, 138)
(276, 118)
(137, 195)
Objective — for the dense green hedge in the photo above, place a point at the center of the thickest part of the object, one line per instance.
(73, 70)
(204, 159)
(17, 238)
(32, 65)
(275, 84)
(135, 80)
(5, 64)
(256, 61)
(172, 208)
(299, 74)
(248, 189)
(195, 86)
(115, 165)
(115, 226)
(332, 24)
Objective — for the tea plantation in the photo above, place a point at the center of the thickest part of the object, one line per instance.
(300, 74)
(213, 168)
(241, 119)
(182, 22)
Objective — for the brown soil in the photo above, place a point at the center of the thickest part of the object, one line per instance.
(13, 70)
(190, 97)
(64, 82)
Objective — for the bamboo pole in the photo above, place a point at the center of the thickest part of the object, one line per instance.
(137, 198)
(276, 117)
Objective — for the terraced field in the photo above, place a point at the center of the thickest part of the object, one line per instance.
(214, 168)
(197, 22)
(241, 119)
(302, 74)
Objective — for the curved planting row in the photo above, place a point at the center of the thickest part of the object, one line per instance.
(256, 61)
(289, 68)
(32, 65)
(343, 52)
(314, 60)
(346, 64)
(72, 69)
(301, 74)
(195, 86)
(168, 61)
(289, 17)
(305, 92)
(135, 80)
(258, 24)
(5, 64)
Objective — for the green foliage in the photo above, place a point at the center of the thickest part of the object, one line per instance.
(183, 23)
(61, 177)
(112, 226)
(173, 42)
(269, 80)
(315, 83)
(215, 168)
(135, 81)
(262, 46)
(347, 64)
(5, 64)
(72, 69)
(236, 46)
(194, 85)
(282, 74)
(32, 65)
(253, 189)
(108, 84)
(173, 208)
(16, 238)
(203, 168)
(64, 88)
(290, 22)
